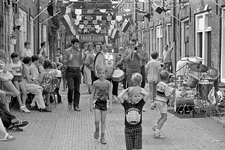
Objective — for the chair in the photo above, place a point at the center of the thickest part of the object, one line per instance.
(53, 86)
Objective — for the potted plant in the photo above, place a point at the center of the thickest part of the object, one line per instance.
(13, 38)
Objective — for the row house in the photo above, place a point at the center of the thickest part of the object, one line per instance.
(20, 18)
(194, 27)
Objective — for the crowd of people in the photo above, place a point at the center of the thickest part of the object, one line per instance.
(28, 79)
(32, 74)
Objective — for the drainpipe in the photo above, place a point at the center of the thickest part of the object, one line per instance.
(38, 20)
(174, 33)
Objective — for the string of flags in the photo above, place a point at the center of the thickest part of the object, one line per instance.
(76, 22)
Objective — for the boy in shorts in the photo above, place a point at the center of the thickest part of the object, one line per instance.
(163, 92)
(133, 112)
(101, 94)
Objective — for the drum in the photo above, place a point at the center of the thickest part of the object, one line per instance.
(106, 59)
(192, 81)
(118, 75)
(204, 87)
(181, 100)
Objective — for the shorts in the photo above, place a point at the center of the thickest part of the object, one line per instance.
(17, 78)
(100, 105)
(161, 106)
(133, 137)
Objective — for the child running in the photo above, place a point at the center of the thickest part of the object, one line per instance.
(101, 94)
(153, 68)
(163, 92)
(133, 112)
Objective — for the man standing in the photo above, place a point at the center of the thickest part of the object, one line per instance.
(73, 60)
(167, 58)
(26, 52)
(132, 58)
(143, 62)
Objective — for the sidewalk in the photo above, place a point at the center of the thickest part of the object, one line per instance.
(64, 129)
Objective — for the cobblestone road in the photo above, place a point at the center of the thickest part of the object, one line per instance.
(70, 130)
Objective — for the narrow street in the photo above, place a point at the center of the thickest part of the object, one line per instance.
(70, 130)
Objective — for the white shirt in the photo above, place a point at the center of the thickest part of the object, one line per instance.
(26, 53)
(17, 68)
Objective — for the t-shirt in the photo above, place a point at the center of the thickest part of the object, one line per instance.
(102, 90)
(17, 68)
(162, 91)
(133, 113)
(153, 68)
(167, 55)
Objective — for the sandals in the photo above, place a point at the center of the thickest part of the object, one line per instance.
(14, 128)
(8, 137)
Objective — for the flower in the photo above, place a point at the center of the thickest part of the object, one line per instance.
(13, 35)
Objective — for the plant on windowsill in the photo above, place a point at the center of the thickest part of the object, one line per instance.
(13, 38)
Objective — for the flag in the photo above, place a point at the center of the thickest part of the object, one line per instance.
(69, 24)
(50, 9)
(126, 24)
(156, 8)
(115, 33)
(148, 16)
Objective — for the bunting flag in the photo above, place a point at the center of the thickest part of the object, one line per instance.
(148, 16)
(126, 24)
(156, 8)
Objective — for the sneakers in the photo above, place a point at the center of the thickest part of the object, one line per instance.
(69, 106)
(102, 140)
(158, 135)
(24, 109)
(96, 134)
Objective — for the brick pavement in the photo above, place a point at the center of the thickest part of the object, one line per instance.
(69, 130)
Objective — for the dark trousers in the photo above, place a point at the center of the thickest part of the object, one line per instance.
(115, 87)
(58, 95)
(5, 115)
(73, 77)
(143, 76)
(93, 77)
(168, 66)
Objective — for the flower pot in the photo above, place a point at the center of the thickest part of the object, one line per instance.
(13, 41)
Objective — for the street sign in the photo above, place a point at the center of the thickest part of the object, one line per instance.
(92, 37)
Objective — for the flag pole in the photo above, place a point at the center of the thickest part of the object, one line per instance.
(43, 9)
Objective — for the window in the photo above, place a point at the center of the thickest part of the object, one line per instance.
(32, 34)
(222, 77)
(185, 38)
(23, 28)
(159, 46)
(203, 37)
